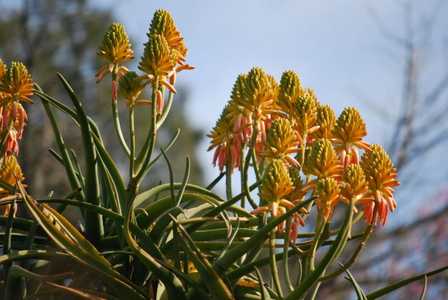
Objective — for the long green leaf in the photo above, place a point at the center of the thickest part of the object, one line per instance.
(94, 225)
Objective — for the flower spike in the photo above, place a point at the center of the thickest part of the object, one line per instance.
(17, 84)
(382, 178)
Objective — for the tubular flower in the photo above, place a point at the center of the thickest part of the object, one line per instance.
(305, 112)
(281, 141)
(17, 84)
(226, 142)
(348, 133)
(255, 97)
(163, 23)
(290, 90)
(116, 50)
(354, 185)
(326, 120)
(13, 121)
(327, 193)
(131, 86)
(322, 160)
(382, 178)
(275, 186)
(296, 195)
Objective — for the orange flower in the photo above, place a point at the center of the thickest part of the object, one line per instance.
(163, 24)
(305, 113)
(348, 134)
(327, 194)
(322, 161)
(10, 173)
(226, 142)
(290, 90)
(281, 142)
(254, 96)
(16, 84)
(326, 120)
(275, 187)
(382, 178)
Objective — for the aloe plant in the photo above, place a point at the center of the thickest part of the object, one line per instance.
(298, 162)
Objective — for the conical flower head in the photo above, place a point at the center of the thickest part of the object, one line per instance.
(350, 127)
(226, 143)
(10, 172)
(354, 182)
(158, 60)
(379, 168)
(281, 139)
(298, 187)
(305, 112)
(17, 83)
(115, 47)
(322, 160)
(163, 23)
(261, 89)
(382, 178)
(326, 120)
(327, 194)
(131, 86)
(276, 183)
(239, 89)
(289, 91)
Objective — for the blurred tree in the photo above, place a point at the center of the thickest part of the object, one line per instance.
(52, 36)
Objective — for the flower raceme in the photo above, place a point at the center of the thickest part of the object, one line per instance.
(10, 173)
(164, 55)
(286, 125)
(382, 178)
(16, 86)
(116, 49)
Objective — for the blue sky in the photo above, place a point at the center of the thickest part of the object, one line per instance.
(335, 46)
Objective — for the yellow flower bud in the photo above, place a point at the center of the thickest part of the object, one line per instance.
(326, 120)
(276, 183)
(10, 172)
(354, 182)
(290, 90)
(281, 140)
(378, 168)
(115, 47)
(327, 193)
(305, 112)
(382, 178)
(163, 23)
(158, 60)
(322, 161)
(17, 84)
(261, 88)
(350, 127)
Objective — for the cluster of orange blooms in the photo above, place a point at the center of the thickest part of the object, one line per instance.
(164, 55)
(16, 87)
(302, 148)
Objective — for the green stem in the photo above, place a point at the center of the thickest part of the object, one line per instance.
(151, 139)
(117, 124)
(273, 262)
(132, 139)
(229, 181)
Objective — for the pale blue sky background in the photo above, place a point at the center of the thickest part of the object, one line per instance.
(335, 46)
